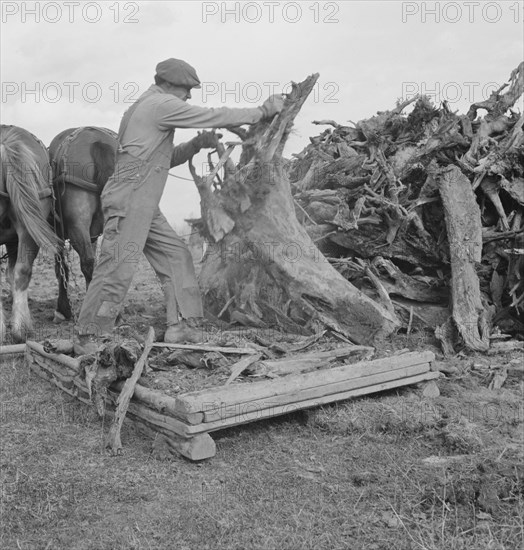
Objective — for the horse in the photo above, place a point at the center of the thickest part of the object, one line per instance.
(26, 200)
(82, 160)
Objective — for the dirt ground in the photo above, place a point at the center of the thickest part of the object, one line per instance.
(395, 470)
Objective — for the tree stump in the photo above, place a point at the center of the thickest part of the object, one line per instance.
(263, 269)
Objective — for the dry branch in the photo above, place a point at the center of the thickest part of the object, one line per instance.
(113, 439)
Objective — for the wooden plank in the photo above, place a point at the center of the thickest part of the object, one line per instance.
(14, 349)
(300, 363)
(270, 412)
(223, 411)
(241, 393)
(203, 347)
(337, 353)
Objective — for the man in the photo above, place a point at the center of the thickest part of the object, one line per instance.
(133, 221)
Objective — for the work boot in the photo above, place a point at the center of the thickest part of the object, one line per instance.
(182, 333)
(85, 344)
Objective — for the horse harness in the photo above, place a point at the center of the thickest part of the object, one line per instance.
(62, 155)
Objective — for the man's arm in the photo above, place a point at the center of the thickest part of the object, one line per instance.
(175, 113)
(184, 151)
(172, 112)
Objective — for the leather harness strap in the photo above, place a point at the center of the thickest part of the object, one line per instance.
(62, 154)
(42, 194)
(77, 182)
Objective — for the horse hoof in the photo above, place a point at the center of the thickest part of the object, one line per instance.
(58, 318)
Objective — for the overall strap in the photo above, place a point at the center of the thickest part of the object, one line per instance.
(124, 123)
(127, 117)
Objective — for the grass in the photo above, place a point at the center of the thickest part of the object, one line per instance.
(384, 472)
(351, 475)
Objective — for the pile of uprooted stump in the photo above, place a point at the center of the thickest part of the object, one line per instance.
(424, 211)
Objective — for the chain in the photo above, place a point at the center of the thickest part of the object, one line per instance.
(65, 256)
(72, 279)
(64, 277)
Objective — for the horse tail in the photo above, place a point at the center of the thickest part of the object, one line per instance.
(103, 156)
(23, 179)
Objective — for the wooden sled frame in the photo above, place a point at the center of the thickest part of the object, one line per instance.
(184, 422)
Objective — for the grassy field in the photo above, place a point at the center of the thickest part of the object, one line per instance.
(390, 471)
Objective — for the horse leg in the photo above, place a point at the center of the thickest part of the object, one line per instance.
(2, 323)
(12, 253)
(21, 322)
(63, 306)
(81, 242)
(3, 328)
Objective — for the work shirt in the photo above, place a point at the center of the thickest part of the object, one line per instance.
(153, 123)
(146, 144)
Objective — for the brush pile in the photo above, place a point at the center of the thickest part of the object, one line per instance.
(424, 212)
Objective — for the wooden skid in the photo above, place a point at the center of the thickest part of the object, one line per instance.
(246, 413)
(296, 385)
(183, 423)
(221, 411)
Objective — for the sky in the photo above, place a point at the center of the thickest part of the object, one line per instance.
(79, 63)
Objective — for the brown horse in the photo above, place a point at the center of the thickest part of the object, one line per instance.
(82, 159)
(26, 199)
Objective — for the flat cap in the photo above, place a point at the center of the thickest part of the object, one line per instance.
(178, 72)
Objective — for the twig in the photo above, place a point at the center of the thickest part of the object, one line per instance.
(113, 439)
(306, 214)
(325, 236)
(410, 322)
(505, 235)
(228, 303)
(401, 106)
(328, 122)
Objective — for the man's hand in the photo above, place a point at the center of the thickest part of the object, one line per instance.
(184, 151)
(272, 106)
(205, 140)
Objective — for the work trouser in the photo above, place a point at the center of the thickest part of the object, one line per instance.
(134, 224)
